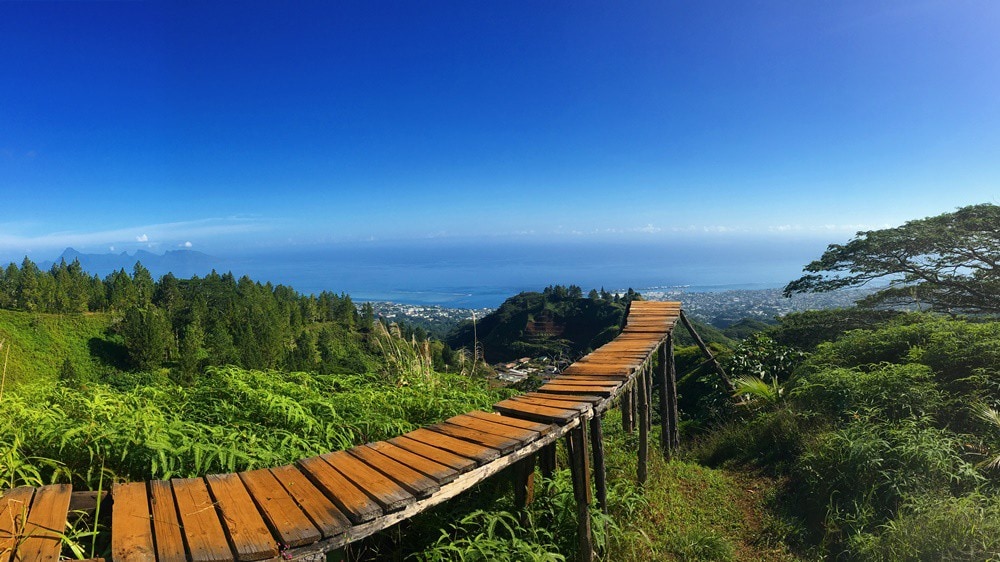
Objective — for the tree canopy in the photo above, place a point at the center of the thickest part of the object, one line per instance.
(948, 262)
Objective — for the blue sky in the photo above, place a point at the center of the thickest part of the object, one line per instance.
(232, 126)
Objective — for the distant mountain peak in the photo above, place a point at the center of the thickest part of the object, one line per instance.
(182, 262)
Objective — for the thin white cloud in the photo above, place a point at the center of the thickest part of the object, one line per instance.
(187, 244)
(170, 232)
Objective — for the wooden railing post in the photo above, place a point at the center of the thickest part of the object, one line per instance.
(672, 406)
(643, 418)
(600, 474)
(547, 462)
(579, 462)
(627, 405)
(524, 484)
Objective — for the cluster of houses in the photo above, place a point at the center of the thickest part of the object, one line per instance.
(517, 371)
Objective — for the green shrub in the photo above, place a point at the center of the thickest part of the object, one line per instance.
(936, 528)
(855, 478)
(888, 392)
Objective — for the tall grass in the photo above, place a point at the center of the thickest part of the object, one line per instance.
(231, 419)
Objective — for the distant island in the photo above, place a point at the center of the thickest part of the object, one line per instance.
(182, 263)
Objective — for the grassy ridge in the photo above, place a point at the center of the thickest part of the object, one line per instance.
(39, 344)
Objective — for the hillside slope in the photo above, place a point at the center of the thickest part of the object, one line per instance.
(35, 346)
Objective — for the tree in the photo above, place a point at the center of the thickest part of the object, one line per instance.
(948, 262)
(147, 337)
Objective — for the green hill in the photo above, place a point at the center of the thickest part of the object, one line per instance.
(35, 346)
(559, 321)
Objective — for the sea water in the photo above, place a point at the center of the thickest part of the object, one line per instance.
(486, 272)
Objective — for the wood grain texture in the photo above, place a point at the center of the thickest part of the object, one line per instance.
(351, 500)
(247, 531)
(166, 522)
(282, 515)
(540, 428)
(203, 532)
(45, 525)
(388, 493)
(326, 516)
(131, 525)
(413, 481)
(15, 504)
(479, 453)
(457, 463)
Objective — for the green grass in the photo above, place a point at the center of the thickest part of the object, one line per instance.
(39, 344)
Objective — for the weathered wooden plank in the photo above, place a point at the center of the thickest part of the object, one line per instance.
(131, 528)
(45, 525)
(284, 517)
(442, 474)
(326, 516)
(456, 462)
(546, 414)
(541, 428)
(203, 532)
(553, 402)
(523, 436)
(502, 444)
(166, 525)
(389, 494)
(411, 480)
(350, 499)
(15, 504)
(568, 388)
(247, 531)
(480, 453)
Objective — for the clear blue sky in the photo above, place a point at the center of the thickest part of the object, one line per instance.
(225, 126)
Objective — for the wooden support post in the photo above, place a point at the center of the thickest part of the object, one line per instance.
(673, 406)
(547, 461)
(579, 462)
(600, 475)
(643, 399)
(707, 352)
(663, 377)
(524, 485)
(626, 407)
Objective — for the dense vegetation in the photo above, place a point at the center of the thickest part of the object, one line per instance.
(556, 322)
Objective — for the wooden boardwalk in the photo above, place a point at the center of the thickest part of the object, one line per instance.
(321, 503)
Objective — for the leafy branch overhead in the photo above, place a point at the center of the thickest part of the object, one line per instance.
(948, 262)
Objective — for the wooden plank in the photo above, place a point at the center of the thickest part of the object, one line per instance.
(350, 499)
(166, 525)
(389, 494)
(203, 532)
(326, 516)
(523, 436)
(566, 388)
(46, 524)
(131, 528)
(540, 428)
(553, 402)
(411, 480)
(440, 473)
(528, 411)
(480, 453)
(457, 463)
(247, 531)
(15, 504)
(585, 399)
(283, 516)
(502, 444)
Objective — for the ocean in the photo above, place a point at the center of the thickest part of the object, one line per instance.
(485, 273)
